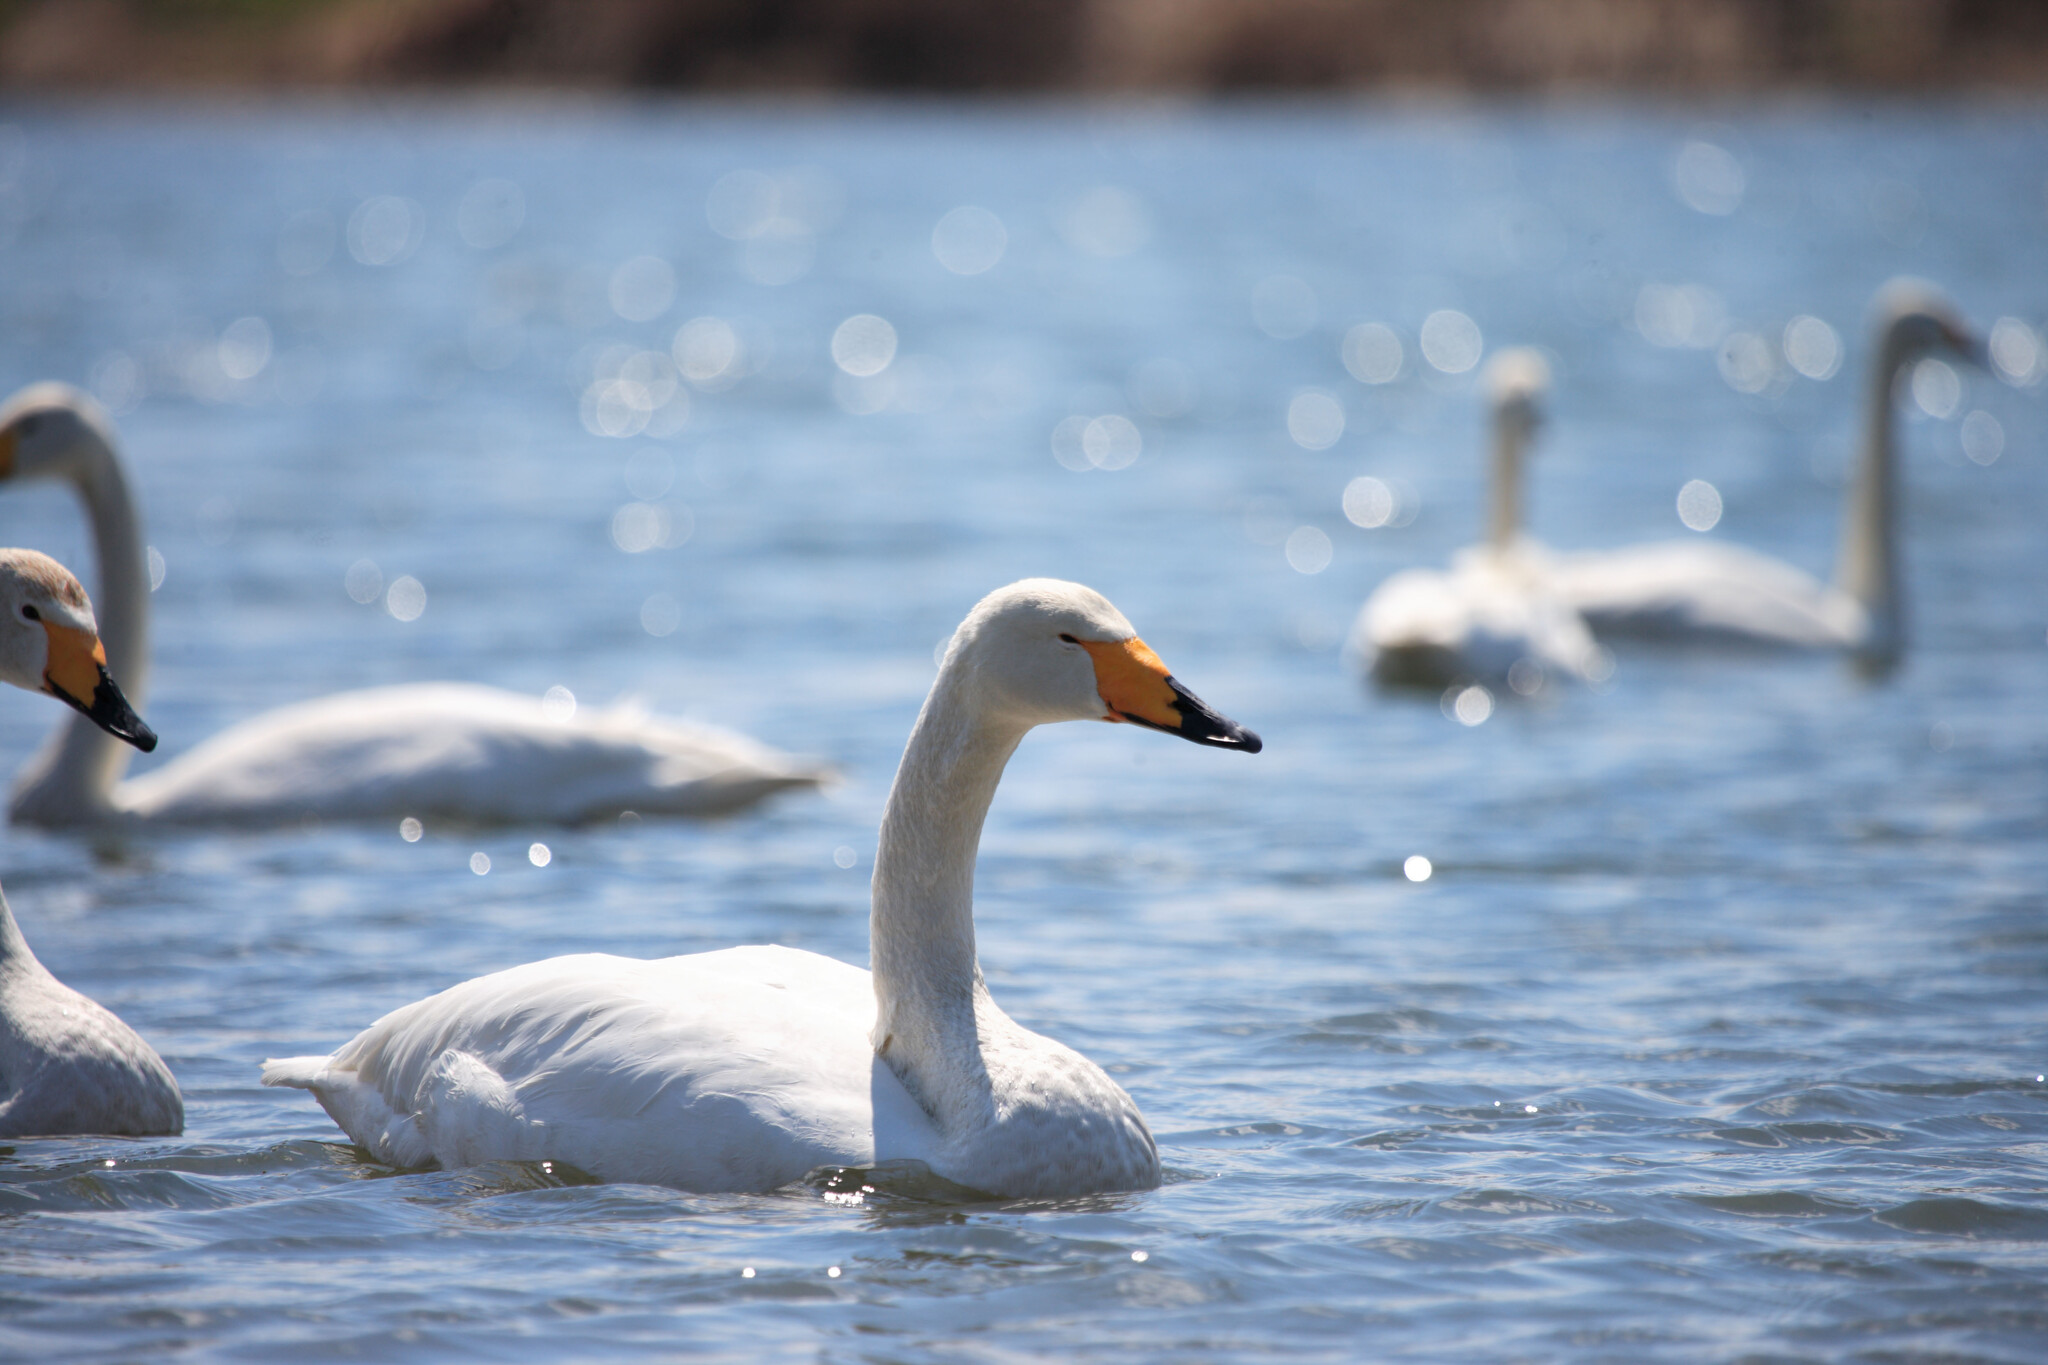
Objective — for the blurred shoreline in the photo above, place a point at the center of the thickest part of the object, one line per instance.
(1192, 48)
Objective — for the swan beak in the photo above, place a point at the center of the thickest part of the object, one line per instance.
(7, 440)
(77, 675)
(1135, 686)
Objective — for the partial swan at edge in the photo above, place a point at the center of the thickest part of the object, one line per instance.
(1713, 590)
(746, 1069)
(68, 1065)
(1493, 608)
(453, 749)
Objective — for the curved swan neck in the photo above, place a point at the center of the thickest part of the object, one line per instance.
(928, 987)
(1867, 566)
(1510, 438)
(72, 779)
(14, 949)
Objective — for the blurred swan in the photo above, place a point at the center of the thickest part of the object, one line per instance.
(745, 1069)
(1493, 609)
(67, 1065)
(461, 750)
(1708, 589)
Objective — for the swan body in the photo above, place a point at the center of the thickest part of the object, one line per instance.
(1711, 591)
(471, 752)
(67, 1064)
(477, 753)
(1707, 590)
(745, 1069)
(1494, 607)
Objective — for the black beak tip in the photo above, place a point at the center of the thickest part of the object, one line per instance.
(112, 713)
(1201, 725)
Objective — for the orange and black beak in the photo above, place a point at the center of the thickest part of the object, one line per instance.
(1136, 687)
(77, 674)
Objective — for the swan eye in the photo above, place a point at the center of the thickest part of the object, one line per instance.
(29, 613)
(1068, 638)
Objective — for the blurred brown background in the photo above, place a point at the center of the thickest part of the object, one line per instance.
(1029, 45)
(1186, 46)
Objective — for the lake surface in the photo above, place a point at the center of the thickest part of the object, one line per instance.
(1717, 1031)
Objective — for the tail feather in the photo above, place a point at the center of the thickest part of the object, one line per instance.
(302, 1073)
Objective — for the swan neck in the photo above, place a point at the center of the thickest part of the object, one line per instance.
(72, 779)
(1504, 515)
(1867, 567)
(928, 986)
(14, 950)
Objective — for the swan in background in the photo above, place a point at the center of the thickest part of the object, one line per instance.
(67, 1065)
(460, 750)
(1708, 589)
(1493, 609)
(747, 1068)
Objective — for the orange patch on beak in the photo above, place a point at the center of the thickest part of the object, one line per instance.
(1132, 682)
(76, 660)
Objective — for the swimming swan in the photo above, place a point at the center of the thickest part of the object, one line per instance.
(67, 1065)
(745, 1069)
(1708, 589)
(471, 752)
(1494, 607)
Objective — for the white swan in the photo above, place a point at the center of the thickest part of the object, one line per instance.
(747, 1068)
(471, 752)
(1712, 590)
(67, 1065)
(1494, 607)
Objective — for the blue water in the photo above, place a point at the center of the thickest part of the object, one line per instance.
(1716, 1033)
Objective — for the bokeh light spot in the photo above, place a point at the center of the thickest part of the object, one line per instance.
(1812, 347)
(1708, 178)
(1983, 437)
(1315, 420)
(1451, 341)
(1372, 353)
(1699, 505)
(863, 345)
(970, 240)
(406, 598)
(1937, 389)
(1308, 549)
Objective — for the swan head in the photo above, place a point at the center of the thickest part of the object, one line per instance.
(1043, 650)
(50, 643)
(1915, 318)
(45, 428)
